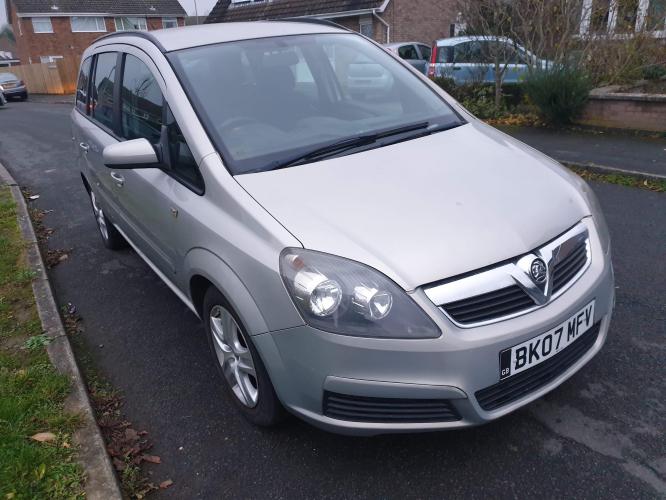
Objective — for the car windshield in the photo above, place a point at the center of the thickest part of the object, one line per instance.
(267, 100)
(8, 77)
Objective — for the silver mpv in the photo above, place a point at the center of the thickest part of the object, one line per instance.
(371, 262)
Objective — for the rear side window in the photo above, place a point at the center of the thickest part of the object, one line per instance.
(102, 98)
(82, 86)
(408, 52)
(426, 52)
(142, 102)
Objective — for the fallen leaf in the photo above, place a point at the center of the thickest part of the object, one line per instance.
(34, 197)
(43, 437)
(152, 459)
(130, 434)
(165, 484)
(66, 445)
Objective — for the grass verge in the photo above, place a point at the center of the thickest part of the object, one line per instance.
(37, 459)
(622, 180)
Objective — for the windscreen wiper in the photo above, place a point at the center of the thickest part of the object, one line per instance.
(345, 144)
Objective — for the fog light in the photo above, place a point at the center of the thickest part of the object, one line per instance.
(371, 303)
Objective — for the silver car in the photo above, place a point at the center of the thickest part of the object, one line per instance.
(378, 264)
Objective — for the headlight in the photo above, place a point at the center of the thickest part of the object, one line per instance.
(597, 216)
(342, 296)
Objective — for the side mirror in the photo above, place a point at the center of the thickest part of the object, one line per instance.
(137, 153)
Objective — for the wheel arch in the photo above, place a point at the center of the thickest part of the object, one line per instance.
(197, 262)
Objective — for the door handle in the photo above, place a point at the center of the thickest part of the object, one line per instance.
(457, 68)
(118, 179)
(84, 146)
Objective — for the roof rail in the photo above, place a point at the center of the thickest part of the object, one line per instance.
(312, 20)
(141, 34)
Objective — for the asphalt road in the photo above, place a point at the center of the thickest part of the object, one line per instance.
(600, 435)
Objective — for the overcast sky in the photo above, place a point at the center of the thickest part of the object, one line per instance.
(203, 7)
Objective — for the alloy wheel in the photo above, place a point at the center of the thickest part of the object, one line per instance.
(99, 217)
(234, 356)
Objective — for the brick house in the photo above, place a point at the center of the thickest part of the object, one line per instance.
(383, 20)
(47, 30)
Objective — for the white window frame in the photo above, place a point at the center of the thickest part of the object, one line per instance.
(169, 20)
(43, 19)
(142, 23)
(49, 59)
(100, 24)
(364, 22)
(641, 18)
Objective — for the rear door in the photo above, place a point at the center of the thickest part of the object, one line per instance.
(98, 122)
(424, 55)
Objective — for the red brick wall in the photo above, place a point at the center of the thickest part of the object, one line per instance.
(62, 42)
(420, 20)
(411, 20)
(626, 113)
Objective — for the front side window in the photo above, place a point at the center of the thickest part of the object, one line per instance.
(182, 164)
(102, 98)
(131, 23)
(42, 25)
(87, 24)
(169, 22)
(82, 86)
(265, 100)
(142, 102)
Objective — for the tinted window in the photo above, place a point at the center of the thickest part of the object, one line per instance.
(142, 102)
(266, 100)
(408, 52)
(83, 85)
(183, 165)
(102, 98)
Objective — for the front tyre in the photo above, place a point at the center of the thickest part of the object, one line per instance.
(244, 376)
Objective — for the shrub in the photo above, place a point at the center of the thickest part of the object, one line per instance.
(654, 71)
(477, 98)
(558, 93)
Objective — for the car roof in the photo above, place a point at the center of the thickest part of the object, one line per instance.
(206, 34)
(396, 45)
(449, 42)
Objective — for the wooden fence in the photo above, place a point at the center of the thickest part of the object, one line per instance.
(47, 78)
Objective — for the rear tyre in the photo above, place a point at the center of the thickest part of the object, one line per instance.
(244, 376)
(112, 239)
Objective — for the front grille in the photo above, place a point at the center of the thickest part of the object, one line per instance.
(568, 267)
(489, 305)
(388, 410)
(519, 385)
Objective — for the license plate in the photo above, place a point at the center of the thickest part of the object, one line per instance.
(530, 353)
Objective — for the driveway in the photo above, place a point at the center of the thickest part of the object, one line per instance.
(600, 435)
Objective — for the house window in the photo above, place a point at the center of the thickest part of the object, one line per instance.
(623, 16)
(42, 25)
(131, 23)
(240, 2)
(169, 22)
(87, 24)
(365, 27)
(656, 16)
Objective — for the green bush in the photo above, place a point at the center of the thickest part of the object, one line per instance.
(654, 71)
(558, 93)
(478, 99)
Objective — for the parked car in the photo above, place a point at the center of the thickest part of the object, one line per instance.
(14, 87)
(471, 59)
(369, 265)
(415, 53)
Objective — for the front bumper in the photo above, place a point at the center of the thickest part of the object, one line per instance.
(304, 362)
